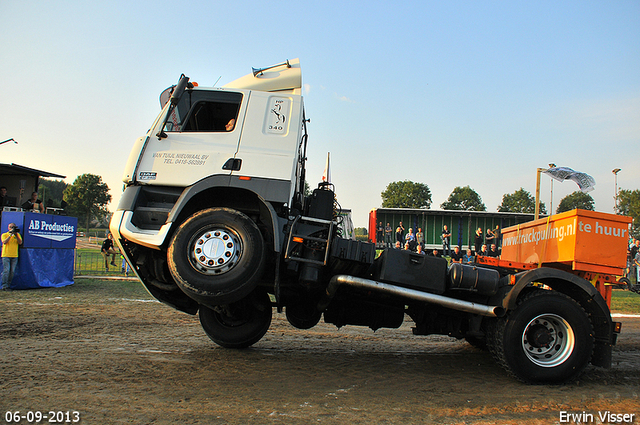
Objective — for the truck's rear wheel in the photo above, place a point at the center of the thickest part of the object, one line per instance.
(548, 338)
(240, 324)
(217, 256)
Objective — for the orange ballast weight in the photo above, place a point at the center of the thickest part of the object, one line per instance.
(590, 244)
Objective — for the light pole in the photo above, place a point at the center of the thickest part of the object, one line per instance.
(552, 165)
(615, 172)
(536, 214)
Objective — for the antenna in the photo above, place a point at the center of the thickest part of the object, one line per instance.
(214, 84)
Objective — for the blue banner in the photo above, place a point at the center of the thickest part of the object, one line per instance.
(47, 254)
(49, 231)
(43, 268)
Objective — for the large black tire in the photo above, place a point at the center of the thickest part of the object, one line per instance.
(217, 256)
(547, 339)
(240, 324)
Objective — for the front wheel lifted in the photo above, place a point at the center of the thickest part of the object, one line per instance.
(217, 256)
(548, 338)
(240, 324)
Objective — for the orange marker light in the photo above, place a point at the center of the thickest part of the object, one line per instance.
(298, 239)
(244, 178)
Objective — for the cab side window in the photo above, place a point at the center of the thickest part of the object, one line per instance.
(205, 111)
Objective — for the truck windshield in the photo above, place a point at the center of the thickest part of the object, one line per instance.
(203, 110)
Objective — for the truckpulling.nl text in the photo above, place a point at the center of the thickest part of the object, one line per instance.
(561, 231)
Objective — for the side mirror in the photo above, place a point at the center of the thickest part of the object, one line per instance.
(179, 89)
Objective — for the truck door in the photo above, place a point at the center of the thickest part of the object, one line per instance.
(202, 134)
(268, 149)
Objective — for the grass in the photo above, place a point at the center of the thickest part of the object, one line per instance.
(625, 302)
(83, 291)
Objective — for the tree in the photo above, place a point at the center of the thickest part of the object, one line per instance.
(406, 194)
(51, 192)
(464, 198)
(577, 199)
(520, 201)
(88, 197)
(629, 204)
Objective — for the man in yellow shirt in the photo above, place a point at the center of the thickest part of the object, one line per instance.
(11, 240)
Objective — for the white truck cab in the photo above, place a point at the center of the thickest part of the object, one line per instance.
(239, 147)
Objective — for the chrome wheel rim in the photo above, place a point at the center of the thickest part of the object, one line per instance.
(215, 251)
(548, 340)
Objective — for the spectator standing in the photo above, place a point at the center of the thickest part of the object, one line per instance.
(399, 235)
(388, 230)
(489, 237)
(125, 267)
(635, 250)
(478, 239)
(410, 238)
(420, 237)
(11, 240)
(446, 240)
(636, 261)
(630, 258)
(380, 235)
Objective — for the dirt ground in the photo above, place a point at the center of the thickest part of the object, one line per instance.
(138, 361)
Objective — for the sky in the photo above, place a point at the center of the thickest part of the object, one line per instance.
(447, 94)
